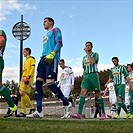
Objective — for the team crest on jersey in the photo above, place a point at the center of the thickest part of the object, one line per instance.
(131, 78)
(45, 39)
(62, 75)
(115, 73)
(87, 62)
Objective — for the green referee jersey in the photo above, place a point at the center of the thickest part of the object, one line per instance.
(118, 74)
(88, 66)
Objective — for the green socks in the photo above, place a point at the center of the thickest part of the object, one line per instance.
(6, 94)
(119, 103)
(81, 104)
(131, 108)
(124, 108)
(101, 104)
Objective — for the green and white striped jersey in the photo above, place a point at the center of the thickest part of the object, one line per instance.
(131, 76)
(118, 74)
(88, 66)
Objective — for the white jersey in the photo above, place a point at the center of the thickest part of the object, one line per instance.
(112, 95)
(127, 102)
(66, 77)
(111, 89)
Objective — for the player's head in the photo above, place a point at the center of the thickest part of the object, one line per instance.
(89, 45)
(129, 67)
(26, 52)
(115, 61)
(48, 23)
(62, 63)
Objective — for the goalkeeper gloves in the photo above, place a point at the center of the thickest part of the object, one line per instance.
(27, 80)
(49, 58)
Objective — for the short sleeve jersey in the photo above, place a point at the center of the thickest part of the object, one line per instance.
(110, 87)
(131, 77)
(118, 74)
(88, 66)
(65, 76)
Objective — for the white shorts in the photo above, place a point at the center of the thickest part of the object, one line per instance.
(66, 91)
(112, 99)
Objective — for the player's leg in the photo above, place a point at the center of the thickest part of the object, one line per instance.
(131, 103)
(66, 92)
(84, 85)
(41, 74)
(122, 93)
(127, 103)
(94, 79)
(27, 98)
(112, 100)
(23, 102)
(51, 76)
(6, 94)
(3, 90)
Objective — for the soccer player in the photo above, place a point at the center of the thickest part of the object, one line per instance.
(118, 74)
(127, 102)
(48, 66)
(112, 98)
(3, 90)
(90, 80)
(27, 80)
(130, 71)
(66, 84)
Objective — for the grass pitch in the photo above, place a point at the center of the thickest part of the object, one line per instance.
(24, 125)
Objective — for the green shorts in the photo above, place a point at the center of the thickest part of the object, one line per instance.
(91, 82)
(1, 68)
(120, 91)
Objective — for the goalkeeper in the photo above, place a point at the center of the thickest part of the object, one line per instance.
(48, 66)
(3, 90)
(27, 80)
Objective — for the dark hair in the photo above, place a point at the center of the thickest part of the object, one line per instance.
(28, 49)
(50, 19)
(90, 43)
(62, 60)
(115, 58)
(131, 65)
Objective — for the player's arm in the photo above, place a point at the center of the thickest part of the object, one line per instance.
(72, 79)
(105, 91)
(109, 80)
(94, 59)
(129, 82)
(33, 62)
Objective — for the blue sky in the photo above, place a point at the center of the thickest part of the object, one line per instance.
(107, 23)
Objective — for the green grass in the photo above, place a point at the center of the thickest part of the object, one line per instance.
(14, 125)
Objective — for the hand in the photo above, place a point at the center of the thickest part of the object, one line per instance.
(86, 50)
(72, 87)
(49, 58)
(104, 95)
(27, 80)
